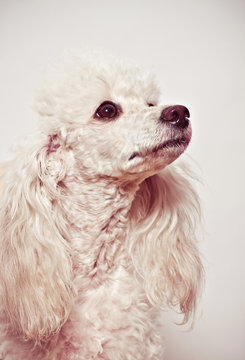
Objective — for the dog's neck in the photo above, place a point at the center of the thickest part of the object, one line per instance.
(98, 213)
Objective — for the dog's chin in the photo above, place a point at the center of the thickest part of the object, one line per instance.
(171, 148)
(153, 159)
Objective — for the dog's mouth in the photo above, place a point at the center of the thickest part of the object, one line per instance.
(178, 143)
(171, 144)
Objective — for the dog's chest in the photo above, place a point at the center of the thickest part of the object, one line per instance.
(109, 312)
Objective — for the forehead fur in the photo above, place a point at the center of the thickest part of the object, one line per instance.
(74, 90)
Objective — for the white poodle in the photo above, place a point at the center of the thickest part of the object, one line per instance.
(96, 223)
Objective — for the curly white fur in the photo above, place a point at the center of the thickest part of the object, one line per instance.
(97, 230)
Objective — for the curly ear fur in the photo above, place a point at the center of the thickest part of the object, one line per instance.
(35, 271)
(163, 218)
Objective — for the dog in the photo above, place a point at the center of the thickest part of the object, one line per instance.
(97, 220)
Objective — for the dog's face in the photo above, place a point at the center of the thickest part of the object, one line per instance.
(112, 121)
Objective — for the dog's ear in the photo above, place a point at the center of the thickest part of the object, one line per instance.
(35, 273)
(163, 245)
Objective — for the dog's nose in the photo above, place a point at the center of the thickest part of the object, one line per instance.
(177, 115)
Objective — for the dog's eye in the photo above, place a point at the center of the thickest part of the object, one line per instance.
(107, 110)
(150, 104)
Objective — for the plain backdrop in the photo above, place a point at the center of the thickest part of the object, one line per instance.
(197, 51)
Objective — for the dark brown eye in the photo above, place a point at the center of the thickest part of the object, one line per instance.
(150, 104)
(107, 110)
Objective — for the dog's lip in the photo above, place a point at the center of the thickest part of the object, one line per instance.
(171, 143)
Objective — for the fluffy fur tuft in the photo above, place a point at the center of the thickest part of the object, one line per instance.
(36, 288)
(164, 216)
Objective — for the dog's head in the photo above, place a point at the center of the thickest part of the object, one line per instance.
(111, 118)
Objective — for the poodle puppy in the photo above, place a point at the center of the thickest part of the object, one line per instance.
(97, 224)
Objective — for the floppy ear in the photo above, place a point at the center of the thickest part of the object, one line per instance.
(35, 272)
(163, 248)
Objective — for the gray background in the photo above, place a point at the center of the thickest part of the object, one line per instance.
(196, 49)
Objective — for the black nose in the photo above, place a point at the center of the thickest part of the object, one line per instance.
(177, 115)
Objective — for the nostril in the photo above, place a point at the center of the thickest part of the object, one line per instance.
(176, 115)
(172, 116)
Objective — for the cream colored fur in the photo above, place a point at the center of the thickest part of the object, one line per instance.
(92, 244)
